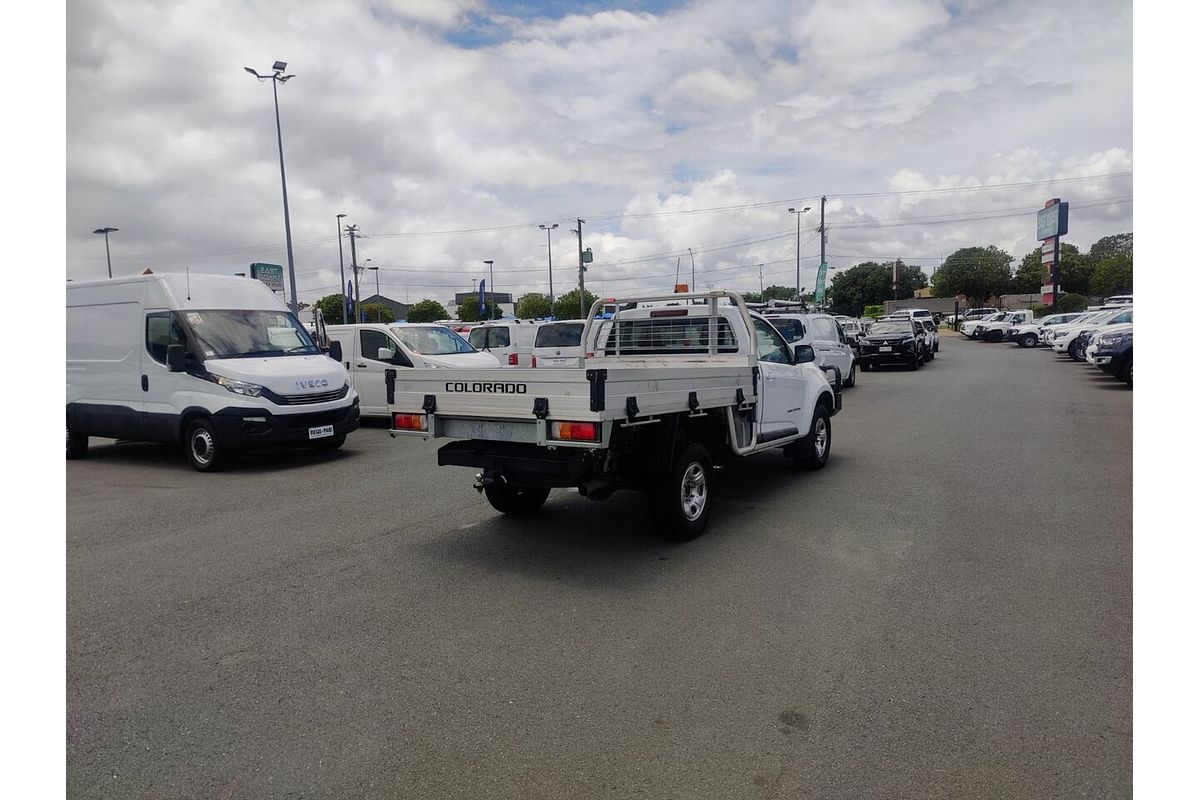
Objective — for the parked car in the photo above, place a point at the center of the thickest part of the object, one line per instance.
(970, 328)
(893, 341)
(971, 313)
(1031, 333)
(510, 341)
(371, 350)
(826, 337)
(1066, 337)
(996, 331)
(557, 344)
(1114, 352)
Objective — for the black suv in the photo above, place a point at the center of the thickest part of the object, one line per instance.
(1114, 353)
(893, 341)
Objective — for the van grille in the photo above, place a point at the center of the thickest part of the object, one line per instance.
(307, 399)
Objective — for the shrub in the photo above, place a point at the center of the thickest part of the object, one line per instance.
(873, 311)
(1073, 302)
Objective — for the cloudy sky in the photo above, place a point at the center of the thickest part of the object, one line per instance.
(448, 130)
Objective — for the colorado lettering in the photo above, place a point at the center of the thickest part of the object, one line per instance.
(485, 387)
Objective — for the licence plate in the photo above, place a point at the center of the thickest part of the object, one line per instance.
(885, 349)
(320, 432)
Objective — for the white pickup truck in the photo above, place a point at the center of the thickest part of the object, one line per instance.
(670, 386)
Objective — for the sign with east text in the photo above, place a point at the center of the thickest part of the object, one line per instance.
(1052, 220)
(270, 274)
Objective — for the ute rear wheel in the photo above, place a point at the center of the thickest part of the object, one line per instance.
(1028, 340)
(516, 501)
(681, 501)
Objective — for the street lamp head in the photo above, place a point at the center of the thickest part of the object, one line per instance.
(339, 216)
(806, 208)
(548, 227)
(252, 72)
(279, 66)
(106, 230)
(489, 262)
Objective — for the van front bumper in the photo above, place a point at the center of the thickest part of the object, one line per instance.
(248, 428)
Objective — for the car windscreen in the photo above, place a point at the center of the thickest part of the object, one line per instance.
(885, 328)
(248, 334)
(792, 329)
(559, 334)
(487, 337)
(432, 341)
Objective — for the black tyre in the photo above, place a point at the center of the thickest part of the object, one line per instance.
(1074, 351)
(205, 451)
(1126, 372)
(77, 444)
(517, 501)
(852, 378)
(866, 366)
(1028, 340)
(682, 501)
(995, 336)
(332, 443)
(932, 352)
(813, 450)
(916, 362)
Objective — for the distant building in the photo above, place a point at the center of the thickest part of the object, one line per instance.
(503, 300)
(399, 310)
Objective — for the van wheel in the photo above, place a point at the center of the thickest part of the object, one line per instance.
(813, 450)
(682, 502)
(517, 501)
(205, 452)
(77, 444)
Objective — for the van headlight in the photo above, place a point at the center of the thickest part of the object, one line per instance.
(240, 387)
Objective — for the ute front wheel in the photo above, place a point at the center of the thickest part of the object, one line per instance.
(1028, 340)
(813, 450)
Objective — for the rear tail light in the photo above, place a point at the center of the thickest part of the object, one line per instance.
(409, 422)
(534, 360)
(512, 359)
(575, 431)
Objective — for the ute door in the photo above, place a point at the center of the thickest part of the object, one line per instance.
(371, 371)
(780, 387)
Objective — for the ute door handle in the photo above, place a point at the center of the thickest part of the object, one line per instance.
(360, 364)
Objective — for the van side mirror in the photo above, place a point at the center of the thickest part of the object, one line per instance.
(804, 354)
(335, 350)
(176, 358)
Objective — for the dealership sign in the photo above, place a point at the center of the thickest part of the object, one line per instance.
(270, 274)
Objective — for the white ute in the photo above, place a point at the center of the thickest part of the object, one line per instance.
(213, 361)
(666, 391)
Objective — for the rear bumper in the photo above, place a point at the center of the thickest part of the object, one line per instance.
(521, 464)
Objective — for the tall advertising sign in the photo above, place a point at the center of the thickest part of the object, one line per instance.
(270, 274)
(1051, 225)
(482, 303)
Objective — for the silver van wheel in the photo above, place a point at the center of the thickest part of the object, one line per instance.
(204, 449)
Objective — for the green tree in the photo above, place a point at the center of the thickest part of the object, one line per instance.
(1113, 275)
(469, 311)
(1028, 277)
(977, 272)
(331, 308)
(567, 306)
(1072, 302)
(376, 312)
(870, 283)
(1074, 270)
(427, 311)
(1107, 246)
(533, 305)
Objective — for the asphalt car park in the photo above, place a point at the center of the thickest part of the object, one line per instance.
(943, 611)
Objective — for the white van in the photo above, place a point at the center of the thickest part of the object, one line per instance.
(370, 351)
(557, 344)
(823, 333)
(214, 361)
(511, 342)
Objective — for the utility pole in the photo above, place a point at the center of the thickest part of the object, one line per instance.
(492, 283)
(579, 230)
(550, 261)
(822, 229)
(692, 286)
(352, 232)
(341, 266)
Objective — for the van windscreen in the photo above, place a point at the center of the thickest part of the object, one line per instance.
(433, 341)
(248, 334)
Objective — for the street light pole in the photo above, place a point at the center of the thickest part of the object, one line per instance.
(277, 77)
(379, 306)
(550, 260)
(692, 287)
(341, 266)
(799, 288)
(492, 283)
(107, 254)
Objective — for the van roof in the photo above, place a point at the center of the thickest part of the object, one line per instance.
(198, 292)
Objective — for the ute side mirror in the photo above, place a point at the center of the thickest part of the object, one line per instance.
(335, 350)
(804, 354)
(176, 358)
(385, 354)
